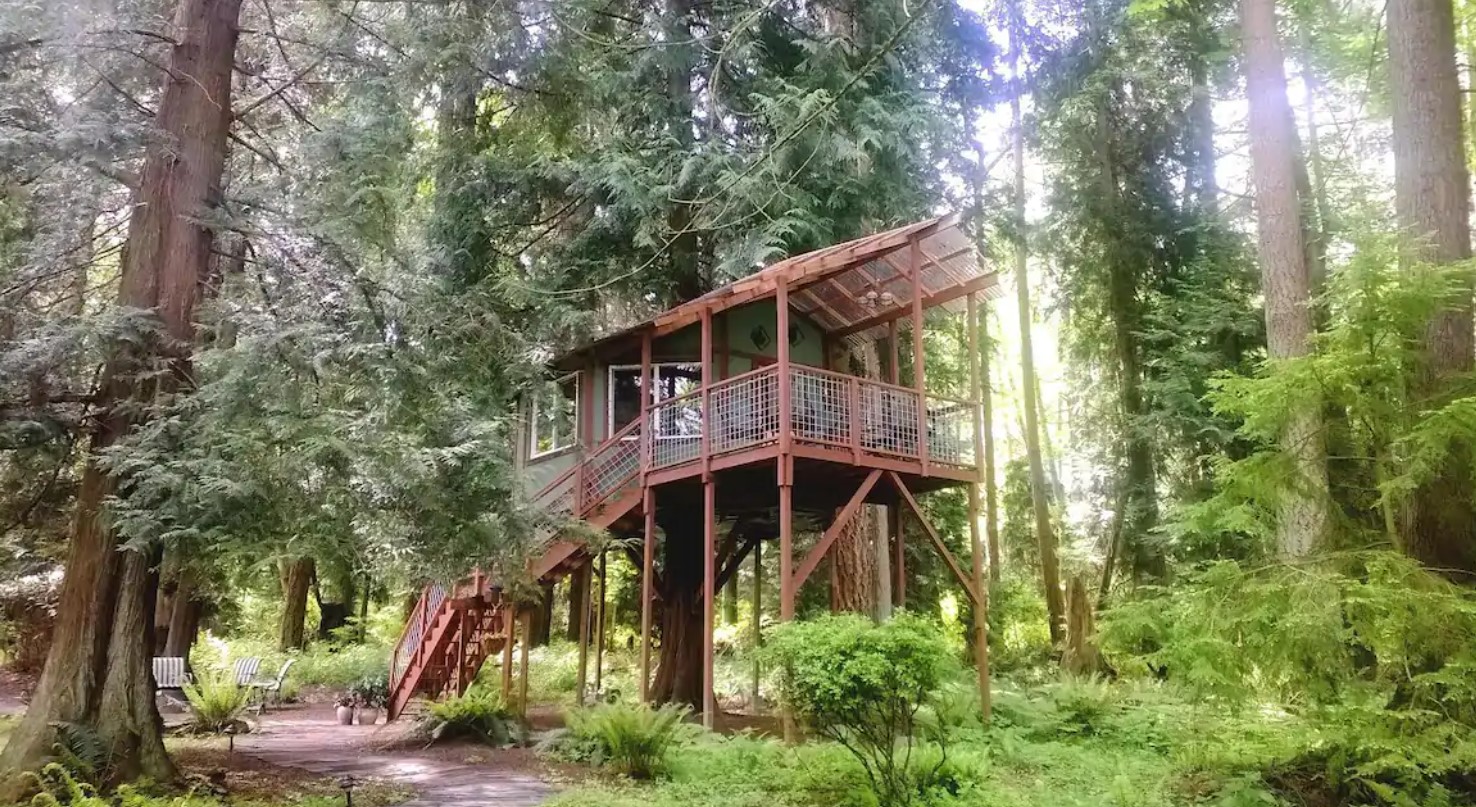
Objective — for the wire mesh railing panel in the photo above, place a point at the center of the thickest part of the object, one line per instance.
(676, 435)
(611, 469)
(745, 411)
(950, 432)
(415, 632)
(820, 406)
(888, 419)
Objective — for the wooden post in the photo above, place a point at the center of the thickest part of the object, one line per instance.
(509, 631)
(600, 627)
(647, 433)
(786, 571)
(523, 663)
(758, 620)
(648, 592)
(707, 368)
(894, 372)
(899, 560)
(461, 663)
(709, 597)
(781, 303)
(582, 677)
(919, 372)
(981, 588)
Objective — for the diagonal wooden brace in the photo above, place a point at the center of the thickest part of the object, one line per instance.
(963, 579)
(818, 552)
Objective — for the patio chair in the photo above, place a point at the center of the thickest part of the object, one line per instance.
(271, 688)
(170, 679)
(246, 670)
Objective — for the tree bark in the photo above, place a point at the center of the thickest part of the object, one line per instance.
(184, 620)
(1431, 202)
(678, 676)
(543, 625)
(575, 626)
(1285, 276)
(296, 580)
(97, 672)
(1040, 507)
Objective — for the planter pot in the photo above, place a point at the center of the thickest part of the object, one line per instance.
(368, 715)
(345, 715)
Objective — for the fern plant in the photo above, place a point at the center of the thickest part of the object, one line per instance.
(216, 700)
(633, 741)
(477, 715)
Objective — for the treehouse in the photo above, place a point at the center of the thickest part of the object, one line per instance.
(768, 411)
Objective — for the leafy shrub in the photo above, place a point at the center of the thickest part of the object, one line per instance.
(631, 740)
(477, 715)
(215, 700)
(863, 686)
(372, 690)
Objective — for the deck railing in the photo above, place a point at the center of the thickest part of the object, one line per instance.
(416, 629)
(826, 408)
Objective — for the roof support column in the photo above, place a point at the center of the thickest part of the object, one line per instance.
(648, 591)
(647, 396)
(709, 597)
(919, 373)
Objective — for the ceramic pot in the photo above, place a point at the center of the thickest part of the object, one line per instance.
(368, 715)
(345, 715)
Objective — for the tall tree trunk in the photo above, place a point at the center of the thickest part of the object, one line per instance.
(1431, 201)
(1040, 506)
(1276, 166)
(678, 676)
(853, 570)
(577, 615)
(730, 600)
(297, 578)
(98, 672)
(986, 353)
(184, 619)
(543, 622)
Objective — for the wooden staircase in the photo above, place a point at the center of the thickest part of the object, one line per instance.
(453, 631)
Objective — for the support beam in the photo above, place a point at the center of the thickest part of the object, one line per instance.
(828, 537)
(730, 567)
(899, 557)
(648, 434)
(785, 412)
(933, 536)
(509, 635)
(709, 598)
(786, 547)
(527, 621)
(648, 592)
(919, 371)
(581, 681)
(758, 620)
(707, 381)
(894, 370)
(600, 625)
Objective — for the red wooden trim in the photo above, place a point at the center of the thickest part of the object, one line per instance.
(828, 537)
(919, 370)
(782, 316)
(938, 544)
(585, 391)
(786, 547)
(976, 385)
(648, 434)
(648, 590)
(707, 381)
(509, 633)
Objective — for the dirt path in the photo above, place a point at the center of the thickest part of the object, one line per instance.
(310, 739)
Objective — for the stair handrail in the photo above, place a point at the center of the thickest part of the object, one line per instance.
(412, 638)
(627, 434)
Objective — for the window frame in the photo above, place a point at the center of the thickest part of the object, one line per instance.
(652, 385)
(533, 451)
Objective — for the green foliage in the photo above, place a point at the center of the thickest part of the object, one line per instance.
(320, 665)
(1366, 365)
(371, 690)
(216, 701)
(633, 741)
(1376, 652)
(863, 686)
(477, 715)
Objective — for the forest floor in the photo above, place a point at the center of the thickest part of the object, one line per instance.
(309, 738)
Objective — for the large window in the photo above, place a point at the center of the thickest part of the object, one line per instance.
(628, 396)
(555, 424)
